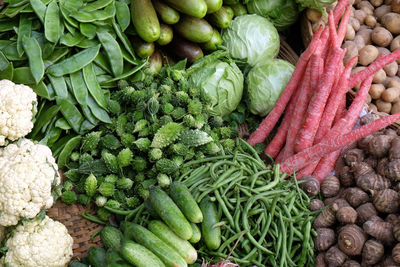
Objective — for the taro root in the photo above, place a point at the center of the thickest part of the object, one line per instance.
(361, 168)
(354, 155)
(393, 170)
(320, 260)
(338, 203)
(389, 131)
(346, 176)
(316, 204)
(351, 239)
(396, 253)
(379, 145)
(363, 142)
(368, 118)
(325, 239)
(346, 215)
(389, 262)
(351, 263)
(382, 166)
(334, 257)
(330, 186)
(355, 196)
(371, 161)
(310, 185)
(386, 201)
(396, 231)
(373, 252)
(372, 181)
(330, 200)
(392, 218)
(394, 151)
(365, 211)
(325, 219)
(381, 230)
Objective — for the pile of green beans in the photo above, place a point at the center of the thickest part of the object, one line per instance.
(70, 52)
(262, 207)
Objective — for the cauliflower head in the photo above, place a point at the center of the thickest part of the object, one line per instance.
(17, 103)
(39, 243)
(27, 173)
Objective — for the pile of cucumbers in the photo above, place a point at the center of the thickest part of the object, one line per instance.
(184, 28)
(167, 240)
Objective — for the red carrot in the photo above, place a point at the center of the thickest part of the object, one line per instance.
(341, 110)
(328, 145)
(306, 134)
(317, 65)
(343, 25)
(332, 30)
(338, 11)
(326, 165)
(307, 170)
(279, 158)
(379, 63)
(266, 126)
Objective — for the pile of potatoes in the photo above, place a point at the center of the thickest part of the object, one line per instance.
(373, 29)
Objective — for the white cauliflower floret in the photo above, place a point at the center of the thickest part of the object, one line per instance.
(39, 243)
(17, 102)
(27, 173)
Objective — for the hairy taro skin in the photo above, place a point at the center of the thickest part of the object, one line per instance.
(351, 239)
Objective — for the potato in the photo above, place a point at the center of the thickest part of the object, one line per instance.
(373, 107)
(359, 42)
(350, 33)
(396, 6)
(360, 15)
(366, 34)
(351, 51)
(376, 3)
(383, 50)
(369, 99)
(355, 70)
(354, 23)
(391, 69)
(370, 21)
(316, 25)
(391, 21)
(381, 11)
(364, 27)
(388, 2)
(379, 77)
(383, 106)
(376, 91)
(395, 44)
(367, 54)
(395, 108)
(393, 83)
(391, 94)
(313, 15)
(365, 4)
(381, 36)
(356, 3)
(367, 11)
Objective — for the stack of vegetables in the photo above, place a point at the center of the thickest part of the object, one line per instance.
(316, 124)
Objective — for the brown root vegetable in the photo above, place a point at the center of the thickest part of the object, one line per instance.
(395, 108)
(391, 69)
(360, 15)
(396, 231)
(391, 21)
(376, 3)
(325, 219)
(381, 230)
(355, 196)
(382, 166)
(389, 262)
(394, 83)
(351, 239)
(352, 156)
(346, 215)
(370, 20)
(350, 33)
(325, 239)
(372, 181)
(379, 145)
(390, 94)
(313, 15)
(386, 201)
(373, 252)
(371, 117)
(394, 151)
(365, 34)
(346, 177)
(376, 91)
(389, 131)
(351, 51)
(383, 106)
(381, 36)
(335, 257)
(316, 204)
(339, 203)
(354, 23)
(351, 263)
(320, 260)
(393, 219)
(363, 142)
(330, 186)
(365, 4)
(373, 107)
(393, 170)
(360, 169)
(396, 253)
(381, 11)
(371, 161)
(366, 211)
(395, 6)
(310, 185)
(367, 54)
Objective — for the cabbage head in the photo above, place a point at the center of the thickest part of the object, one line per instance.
(315, 4)
(282, 13)
(252, 38)
(265, 83)
(221, 81)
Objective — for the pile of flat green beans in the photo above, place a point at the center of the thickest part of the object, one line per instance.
(259, 206)
(70, 52)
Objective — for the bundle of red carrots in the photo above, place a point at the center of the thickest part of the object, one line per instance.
(316, 125)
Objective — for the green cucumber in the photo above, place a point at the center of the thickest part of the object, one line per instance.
(194, 29)
(211, 234)
(213, 5)
(139, 256)
(182, 197)
(164, 252)
(196, 234)
(183, 247)
(145, 20)
(166, 13)
(111, 237)
(170, 213)
(214, 43)
(150, 209)
(155, 63)
(143, 49)
(166, 35)
(195, 8)
(220, 19)
(239, 9)
(97, 257)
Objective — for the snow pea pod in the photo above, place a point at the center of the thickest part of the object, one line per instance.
(44, 91)
(11, 12)
(8, 25)
(52, 22)
(67, 150)
(57, 54)
(125, 75)
(59, 86)
(124, 39)
(24, 29)
(97, 111)
(113, 52)
(86, 43)
(12, 54)
(93, 85)
(123, 14)
(5, 43)
(70, 113)
(89, 115)
(66, 15)
(4, 63)
(8, 72)
(79, 87)
(83, 16)
(17, 3)
(23, 75)
(71, 39)
(34, 53)
(43, 118)
(39, 8)
(86, 126)
(62, 124)
(75, 62)
(95, 5)
(69, 27)
(88, 30)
